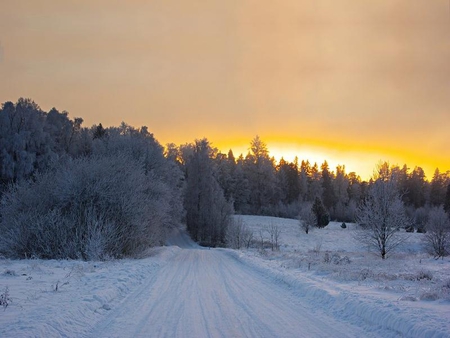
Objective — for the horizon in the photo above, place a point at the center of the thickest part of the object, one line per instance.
(314, 154)
(350, 83)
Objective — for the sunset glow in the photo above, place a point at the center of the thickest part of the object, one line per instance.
(350, 82)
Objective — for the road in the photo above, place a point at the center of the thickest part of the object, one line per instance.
(209, 293)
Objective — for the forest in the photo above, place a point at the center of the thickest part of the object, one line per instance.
(70, 191)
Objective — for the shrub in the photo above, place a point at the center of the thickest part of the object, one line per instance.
(238, 235)
(88, 208)
(307, 217)
(5, 298)
(365, 273)
(335, 258)
(446, 284)
(429, 296)
(424, 275)
(437, 237)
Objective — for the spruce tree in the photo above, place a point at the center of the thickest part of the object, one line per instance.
(322, 216)
(207, 211)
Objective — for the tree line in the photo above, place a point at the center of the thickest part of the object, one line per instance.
(90, 192)
(256, 184)
(85, 193)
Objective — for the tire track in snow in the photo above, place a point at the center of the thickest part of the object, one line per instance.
(208, 293)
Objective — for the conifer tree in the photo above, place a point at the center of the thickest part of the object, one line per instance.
(322, 216)
(207, 211)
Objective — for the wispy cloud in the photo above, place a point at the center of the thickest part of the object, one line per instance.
(353, 75)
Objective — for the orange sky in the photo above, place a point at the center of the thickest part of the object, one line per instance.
(353, 82)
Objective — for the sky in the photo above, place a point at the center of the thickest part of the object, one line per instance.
(350, 82)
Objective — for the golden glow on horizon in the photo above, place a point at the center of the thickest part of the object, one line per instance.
(362, 161)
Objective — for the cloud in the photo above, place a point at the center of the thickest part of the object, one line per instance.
(364, 73)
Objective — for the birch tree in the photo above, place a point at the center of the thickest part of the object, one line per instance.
(381, 216)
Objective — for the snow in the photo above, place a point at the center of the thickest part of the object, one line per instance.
(183, 290)
(393, 294)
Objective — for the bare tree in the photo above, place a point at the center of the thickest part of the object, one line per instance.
(274, 233)
(248, 238)
(381, 216)
(307, 217)
(437, 237)
(261, 237)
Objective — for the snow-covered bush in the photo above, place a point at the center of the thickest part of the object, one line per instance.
(238, 235)
(5, 298)
(429, 295)
(437, 237)
(335, 258)
(307, 217)
(88, 208)
(317, 247)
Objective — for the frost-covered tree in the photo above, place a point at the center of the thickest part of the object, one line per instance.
(437, 237)
(87, 208)
(226, 167)
(32, 140)
(260, 172)
(438, 187)
(341, 185)
(141, 145)
(304, 178)
(341, 210)
(328, 193)
(45, 217)
(288, 181)
(381, 216)
(354, 188)
(315, 189)
(207, 211)
(24, 146)
(62, 131)
(307, 217)
(241, 192)
(416, 188)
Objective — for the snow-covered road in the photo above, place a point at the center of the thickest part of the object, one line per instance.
(209, 293)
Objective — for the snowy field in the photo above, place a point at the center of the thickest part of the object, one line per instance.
(408, 293)
(323, 284)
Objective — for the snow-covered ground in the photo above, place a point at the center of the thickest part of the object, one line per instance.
(408, 293)
(183, 290)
